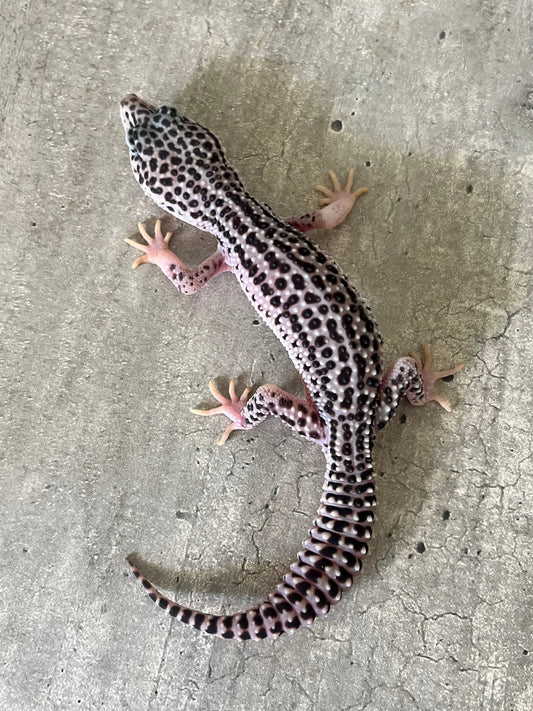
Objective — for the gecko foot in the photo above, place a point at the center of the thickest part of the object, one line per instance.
(429, 377)
(231, 407)
(339, 194)
(156, 250)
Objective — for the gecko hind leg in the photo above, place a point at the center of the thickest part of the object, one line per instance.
(246, 413)
(410, 377)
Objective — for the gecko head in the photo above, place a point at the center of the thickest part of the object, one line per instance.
(139, 125)
(170, 154)
(146, 128)
(134, 110)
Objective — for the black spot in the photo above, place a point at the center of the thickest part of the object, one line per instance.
(293, 624)
(242, 622)
(277, 629)
(311, 298)
(212, 627)
(282, 606)
(293, 299)
(198, 620)
(298, 281)
(343, 354)
(420, 547)
(344, 375)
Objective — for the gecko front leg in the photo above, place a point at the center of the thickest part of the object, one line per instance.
(410, 377)
(157, 251)
(336, 206)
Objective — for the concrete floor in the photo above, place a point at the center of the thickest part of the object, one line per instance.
(101, 457)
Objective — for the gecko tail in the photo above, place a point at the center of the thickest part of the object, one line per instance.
(279, 614)
(330, 558)
(324, 570)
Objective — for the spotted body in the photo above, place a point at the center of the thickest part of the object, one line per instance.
(327, 329)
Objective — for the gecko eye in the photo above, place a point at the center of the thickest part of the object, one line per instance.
(131, 138)
(168, 110)
(165, 115)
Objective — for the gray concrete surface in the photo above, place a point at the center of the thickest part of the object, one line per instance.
(100, 455)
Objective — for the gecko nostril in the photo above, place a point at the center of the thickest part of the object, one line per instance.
(336, 126)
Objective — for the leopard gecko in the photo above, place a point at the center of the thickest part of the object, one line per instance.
(324, 324)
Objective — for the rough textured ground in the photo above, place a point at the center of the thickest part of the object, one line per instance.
(100, 455)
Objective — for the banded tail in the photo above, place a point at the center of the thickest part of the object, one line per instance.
(330, 558)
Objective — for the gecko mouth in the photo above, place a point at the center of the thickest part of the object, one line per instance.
(134, 110)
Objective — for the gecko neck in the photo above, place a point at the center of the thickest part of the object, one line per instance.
(238, 219)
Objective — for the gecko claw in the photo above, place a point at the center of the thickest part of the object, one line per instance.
(429, 377)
